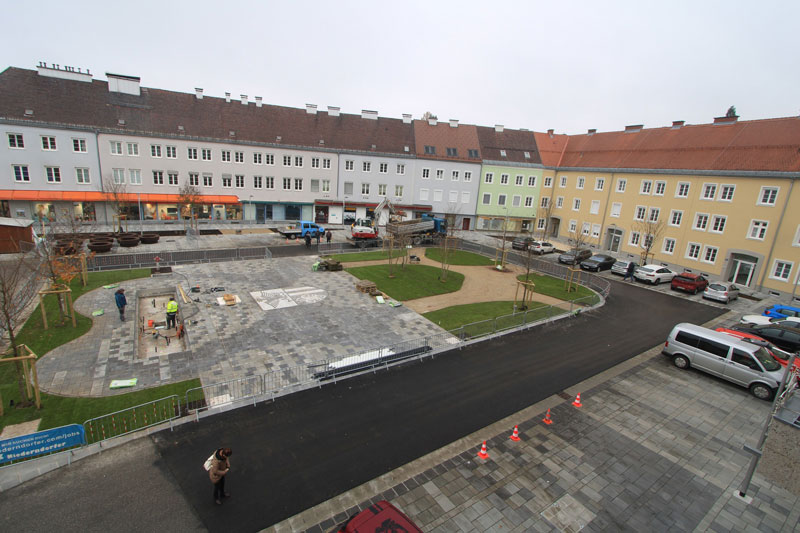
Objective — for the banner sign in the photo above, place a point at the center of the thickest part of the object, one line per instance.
(48, 441)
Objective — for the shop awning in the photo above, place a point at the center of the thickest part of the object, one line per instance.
(97, 196)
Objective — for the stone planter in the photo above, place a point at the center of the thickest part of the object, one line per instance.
(128, 242)
(100, 246)
(149, 238)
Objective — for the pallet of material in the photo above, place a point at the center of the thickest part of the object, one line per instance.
(229, 299)
(366, 286)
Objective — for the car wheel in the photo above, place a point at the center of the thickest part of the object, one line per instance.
(681, 361)
(656, 281)
(694, 291)
(761, 391)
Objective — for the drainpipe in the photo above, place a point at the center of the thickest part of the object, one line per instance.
(605, 211)
(775, 238)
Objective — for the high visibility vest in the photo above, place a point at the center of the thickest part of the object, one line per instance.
(172, 307)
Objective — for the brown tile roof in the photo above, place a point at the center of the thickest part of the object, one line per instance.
(757, 145)
(514, 142)
(443, 136)
(551, 147)
(157, 112)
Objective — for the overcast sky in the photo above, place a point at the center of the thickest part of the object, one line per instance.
(568, 65)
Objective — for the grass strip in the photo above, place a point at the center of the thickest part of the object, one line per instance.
(411, 282)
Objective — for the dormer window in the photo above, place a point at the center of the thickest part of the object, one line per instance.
(502, 153)
(473, 153)
(430, 150)
(527, 155)
(452, 152)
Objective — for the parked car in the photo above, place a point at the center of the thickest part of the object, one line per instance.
(653, 274)
(381, 516)
(782, 311)
(760, 320)
(722, 291)
(784, 337)
(521, 243)
(621, 267)
(573, 257)
(726, 357)
(780, 355)
(541, 247)
(598, 262)
(689, 282)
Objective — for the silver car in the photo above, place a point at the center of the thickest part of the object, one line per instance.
(621, 267)
(721, 291)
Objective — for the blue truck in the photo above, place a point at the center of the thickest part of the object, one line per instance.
(302, 229)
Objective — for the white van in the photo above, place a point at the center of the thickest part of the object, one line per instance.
(726, 357)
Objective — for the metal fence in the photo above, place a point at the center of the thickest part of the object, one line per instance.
(147, 259)
(224, 393)
(132, 419)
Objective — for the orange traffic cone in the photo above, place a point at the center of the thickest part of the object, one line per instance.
(546, 418)
(483, 454)
(577, 402)
(515, 436)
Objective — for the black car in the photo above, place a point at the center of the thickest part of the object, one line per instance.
(784, 337)
(521, 243)
(573, 257)
(598, 262)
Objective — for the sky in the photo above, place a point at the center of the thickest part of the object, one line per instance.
(568, 66)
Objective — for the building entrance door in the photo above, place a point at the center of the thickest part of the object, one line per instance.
(613, 239)
(742, 271)
(465, 224)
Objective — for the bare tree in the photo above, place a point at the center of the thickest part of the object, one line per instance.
(188, 198)
(650, 231)
(579, 235)
(117, 193)
(546, 213)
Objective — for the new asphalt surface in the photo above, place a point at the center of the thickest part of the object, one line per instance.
(305, 448)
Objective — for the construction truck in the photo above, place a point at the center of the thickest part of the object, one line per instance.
(364, 233)
(425, 230)
(301, 230)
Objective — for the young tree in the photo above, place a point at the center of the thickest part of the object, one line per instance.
(448, 242)
(117, 194)
(189, 198)
(731, 112)
(650, 231)
(545, 213)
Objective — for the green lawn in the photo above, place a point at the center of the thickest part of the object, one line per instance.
(58, 410)
(451, 318)
(413, 281)
(366, 256)
(458, 257)
(550, 286)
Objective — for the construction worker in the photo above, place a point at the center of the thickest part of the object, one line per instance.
(172, 312)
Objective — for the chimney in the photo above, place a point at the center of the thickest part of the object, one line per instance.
(634, 128)
(333, 111)
(677, 124)
(498, 128)
(453, 123)
(198, 93)
(258, 101)
(54, 71)
(227, 98)
(726, 120)
(432, 121)
(406, 118)
(311, 109)
(119, 83)
(550, 133)
(244, 99)
(592, 131)
(371, 115)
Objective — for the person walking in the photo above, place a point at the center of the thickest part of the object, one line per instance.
(220, 465)
(172, 312)
(119, 298)
(308, 240)
(328, 236)
(629, 271)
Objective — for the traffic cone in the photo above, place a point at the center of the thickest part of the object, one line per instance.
(483, 454)
(546, 418)
(577, 402)
(515, 436)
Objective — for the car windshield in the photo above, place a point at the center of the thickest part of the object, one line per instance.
(767, 361)
(717, 287)
(645, 269)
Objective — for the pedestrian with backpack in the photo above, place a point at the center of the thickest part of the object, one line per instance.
(218, 466)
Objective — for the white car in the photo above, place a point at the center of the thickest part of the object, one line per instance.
(541, 248)
(654, 274)
(758, 320)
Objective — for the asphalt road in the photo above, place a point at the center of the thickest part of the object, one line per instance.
(305, 448)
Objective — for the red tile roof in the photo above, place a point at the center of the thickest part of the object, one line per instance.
(551, 147)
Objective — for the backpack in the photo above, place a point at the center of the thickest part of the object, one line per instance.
(209, 462)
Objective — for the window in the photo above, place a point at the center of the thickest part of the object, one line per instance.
(158, 177)
(349, 164)
(82, 175)
(501, 199)
(675, 218)
(287, 184)
(238, 157)
(194, 179)
(488, 177)
(381, 189)
(726, 194)
(118, 175)
(133, 149)
(758, 229)
(437, 195)
(454, 175)
(693, 250)
(563, 182)
(208, 180)
(426, 173)
(467, 176)
(287, 160)
(326, 185)
(503, 179)
(383, 168)
(258, 182)
(531, 181)
(326, 163)
(430, 150)
(581, 182)
(15, 140)
(135, 176)
(116, 148)
(527, 155)
(669, 246)
(545, 202)
(257, 158)
(298, 161)
(348, 187)
(269, 159)
(401, 169)
(529, 201)
(586, 228)
(718, 224)
(205, 154)
(366, 166)
(595, 230)
(541, 223)
(239, 181)
(155, 150)
(365, 188)
(452, 152)
(48, 143)
(53, 174)
(452, 197)
(641, 211)
(616, 209)
(635, 238)
(227, 181)
(226, 156)
(314, 185)
(661, 186)
(573, 226)
(781, 270)
(298, 184)
(172, 152)
(647, 186)
(576, 204)
(655, 212)
(79, 145)
(398, 190)
(560, 202)
(519, 181)
(472, 153)
(439, 174)
(709, 191)
(487, 198)
(423, 194)
(191, 153)
(315, 162)
(599, 184)
(172, 178)
(548, 181)
(595, 208)
(269, 183)
(701, 221)
(768, 195)
(710, 254)
(648, 241)
(682, 190)
(622, 184)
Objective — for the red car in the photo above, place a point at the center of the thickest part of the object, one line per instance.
(689, 282)
(780, 355)
(380, 517)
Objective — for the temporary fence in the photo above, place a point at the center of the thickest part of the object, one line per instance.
(181, 257)
(224, 393)
(132, 419)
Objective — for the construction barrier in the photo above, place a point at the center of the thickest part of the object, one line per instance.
(132, 419)
(223, 394)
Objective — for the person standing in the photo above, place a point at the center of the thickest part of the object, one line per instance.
(172, 312)
(328, 236)
(220, 466)
(308, 240)
(629, 271)
(119, 298)
(318, 238)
